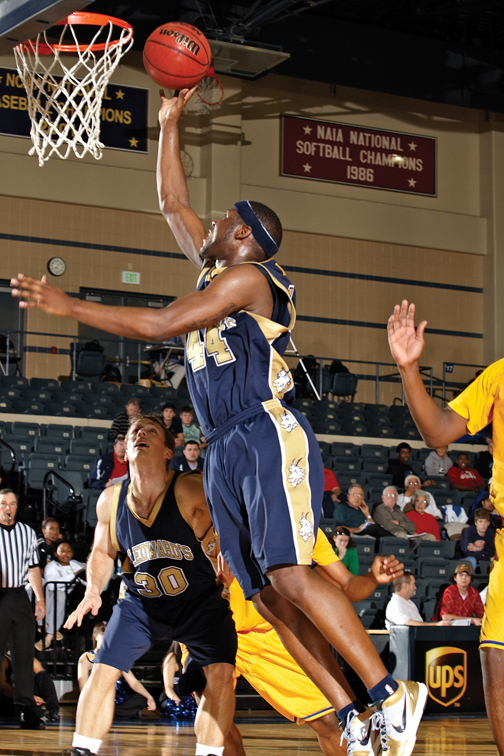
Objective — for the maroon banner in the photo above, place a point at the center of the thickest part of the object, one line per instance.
(336, 152)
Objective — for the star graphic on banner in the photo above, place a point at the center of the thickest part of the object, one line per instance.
(307, 129)
(133, 142)
(412, 146)
(412, 183)
(307, 168)
(120, 94)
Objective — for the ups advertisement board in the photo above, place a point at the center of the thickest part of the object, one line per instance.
(452, 674)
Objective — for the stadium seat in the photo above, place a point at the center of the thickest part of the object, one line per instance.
(344, 449)
(37, 467)
(434, 568)
(437, 549)
(64, 409)
(59, 432)
(327, 525)
(375, 465)
(374, 452)
(13, 380)
(347, 479)
(128, 390)
(19, 428)
(399, 547)
(444, 498)
(347, 464)
(79, 463)
(86, 447)
(6, 405)
(94, 435)
(107, 388)
(75, 386)
(379, 480)
(44, 445)
(97, 412)
(45, 383)
(365, 546)
(89, 515)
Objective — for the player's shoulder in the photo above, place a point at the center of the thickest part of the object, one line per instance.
(105, 502)
(189, 485)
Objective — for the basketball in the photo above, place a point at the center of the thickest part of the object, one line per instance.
(176, 55)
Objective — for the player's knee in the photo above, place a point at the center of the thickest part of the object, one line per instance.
(219, 676)
(291, 581)
(326, 726)
(104, 677)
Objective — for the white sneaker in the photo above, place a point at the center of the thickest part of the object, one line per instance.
(361, 734)
(398, 718)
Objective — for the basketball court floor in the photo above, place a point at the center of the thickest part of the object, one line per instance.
(262, 736)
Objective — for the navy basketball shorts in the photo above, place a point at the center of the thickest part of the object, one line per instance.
(205, 625)
(264, 483)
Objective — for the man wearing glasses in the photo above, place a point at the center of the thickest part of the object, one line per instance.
(390, 517)
(355, 516)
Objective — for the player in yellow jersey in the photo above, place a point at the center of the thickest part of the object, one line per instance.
(479, 404)
(270, 669)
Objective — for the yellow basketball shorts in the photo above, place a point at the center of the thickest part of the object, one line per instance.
(492, 629)
(273, 673)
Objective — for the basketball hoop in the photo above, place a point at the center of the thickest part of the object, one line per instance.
(210, 92)
(64, 102)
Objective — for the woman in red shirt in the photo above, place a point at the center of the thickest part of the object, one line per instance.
(425, 523)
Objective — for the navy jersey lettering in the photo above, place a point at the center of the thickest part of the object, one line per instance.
(237, 363)
(167, 563)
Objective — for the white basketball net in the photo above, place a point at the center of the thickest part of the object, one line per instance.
(64, 103)
(209, 95)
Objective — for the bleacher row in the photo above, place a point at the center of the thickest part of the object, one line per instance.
(359, 419)
(433, 565)
(41, 396)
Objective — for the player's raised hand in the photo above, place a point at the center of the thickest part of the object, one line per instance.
(34, 292)
(90, 604)
(173, 107)
(386, 568)
(406, 341)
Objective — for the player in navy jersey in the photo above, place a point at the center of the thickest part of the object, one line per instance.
(263, 470)
(159, 519)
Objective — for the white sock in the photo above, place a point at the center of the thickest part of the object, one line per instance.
(80, 741)
(204, 750)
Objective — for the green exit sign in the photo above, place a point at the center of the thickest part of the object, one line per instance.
(128, 277)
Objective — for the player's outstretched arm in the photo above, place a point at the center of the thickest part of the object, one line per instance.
(241, 287)
(191, 497)
(172, 186)
(437, 426)
(100, 564)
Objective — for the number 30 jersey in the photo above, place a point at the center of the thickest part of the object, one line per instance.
(168, 566)
(237, 364)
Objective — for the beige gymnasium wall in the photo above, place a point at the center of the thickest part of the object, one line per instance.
(378, 246)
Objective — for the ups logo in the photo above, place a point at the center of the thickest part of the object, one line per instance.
(446, 674)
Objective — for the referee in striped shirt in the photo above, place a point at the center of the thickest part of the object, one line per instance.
(19, 566)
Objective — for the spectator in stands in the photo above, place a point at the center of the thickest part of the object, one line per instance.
(189, 460)
(404, 500)
(171, 704)
(110, 468)
(172, 422)
(478, 540)
(401, 610)
(130, 694)
(438, 461)
(465, 478)
(389, 516)
(63, 569)
(48, 541)
(43, 687)
(121, 422)
(484, 461)
(344, 548)
(354, 515)
(331, 492)
(401, 466)
(192, 431)
(483, 501)
(461, 600)
(423, 521)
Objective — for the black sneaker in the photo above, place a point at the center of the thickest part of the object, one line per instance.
(52, 716)
(78, 752)
(31, 723)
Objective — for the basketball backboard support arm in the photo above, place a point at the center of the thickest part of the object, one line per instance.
(24, 19)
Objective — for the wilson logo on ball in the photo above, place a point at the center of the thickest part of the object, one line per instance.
(181, 39)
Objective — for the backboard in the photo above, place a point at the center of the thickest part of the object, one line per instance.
(23, 19)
